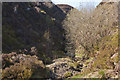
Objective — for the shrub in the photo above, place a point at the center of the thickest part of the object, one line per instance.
(26, 68)
(18, 71)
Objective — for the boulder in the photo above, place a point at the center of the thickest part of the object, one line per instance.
(64, 68)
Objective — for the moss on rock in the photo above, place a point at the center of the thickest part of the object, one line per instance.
(67, 74)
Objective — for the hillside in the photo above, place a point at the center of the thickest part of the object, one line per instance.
(27, 25)
(88, 30)
(95, 38)
(44, 40)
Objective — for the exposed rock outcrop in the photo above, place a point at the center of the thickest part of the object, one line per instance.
(64, 68)
(65, 8)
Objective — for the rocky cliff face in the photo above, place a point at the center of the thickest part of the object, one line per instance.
(64, 7)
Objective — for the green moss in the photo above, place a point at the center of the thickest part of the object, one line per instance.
(96, 79)
(96, 48)
(27, 73)
(102, 73)
(74, 65)
(67, 74)
(89, 60)
(79, 55)
(78, 76)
